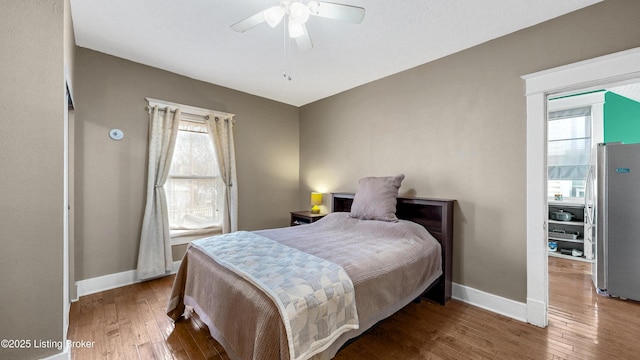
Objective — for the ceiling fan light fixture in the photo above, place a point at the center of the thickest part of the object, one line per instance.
(313, 7)
(295, 14)
(273, 15)
(296, 29)
(298, 12)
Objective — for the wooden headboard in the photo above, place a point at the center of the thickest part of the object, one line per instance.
(436, 215)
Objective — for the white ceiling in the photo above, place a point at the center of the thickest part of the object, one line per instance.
(631, 91)
(193, 38)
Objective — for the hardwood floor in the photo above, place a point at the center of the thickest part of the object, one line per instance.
(130, 323)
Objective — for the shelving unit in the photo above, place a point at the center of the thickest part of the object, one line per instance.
(575, 225)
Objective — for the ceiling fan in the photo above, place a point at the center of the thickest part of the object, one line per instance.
(296, 13)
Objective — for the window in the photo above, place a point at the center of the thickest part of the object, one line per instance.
(193, 184)
(568, 151)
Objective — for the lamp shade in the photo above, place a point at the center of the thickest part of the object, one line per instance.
(296, 29)
(273, 15)
(316, 198)
(298, 12)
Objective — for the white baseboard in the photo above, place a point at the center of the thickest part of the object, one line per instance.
(481, 299)
(111, 281)
(494, 303)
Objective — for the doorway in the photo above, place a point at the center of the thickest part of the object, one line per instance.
(575, 124)
(586, 75)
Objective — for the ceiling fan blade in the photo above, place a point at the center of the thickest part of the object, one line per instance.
(246, 24)
(304, 41)
(341, 12)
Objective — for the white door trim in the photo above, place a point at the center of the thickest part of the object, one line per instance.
(586, 74)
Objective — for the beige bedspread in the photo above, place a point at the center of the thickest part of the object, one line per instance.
(389, 264)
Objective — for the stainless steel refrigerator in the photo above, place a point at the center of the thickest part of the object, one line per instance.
(612, 212)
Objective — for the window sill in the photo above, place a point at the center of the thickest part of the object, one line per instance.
(181, 237)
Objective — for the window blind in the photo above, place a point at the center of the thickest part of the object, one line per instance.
(569, 144)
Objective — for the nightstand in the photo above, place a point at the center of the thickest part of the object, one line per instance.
(304, 217)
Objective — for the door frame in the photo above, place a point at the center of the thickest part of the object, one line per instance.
(67, 195)
(589, 74)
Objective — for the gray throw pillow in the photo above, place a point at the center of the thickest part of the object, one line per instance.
(375, 198)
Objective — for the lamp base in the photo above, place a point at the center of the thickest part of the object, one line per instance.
(315, 209)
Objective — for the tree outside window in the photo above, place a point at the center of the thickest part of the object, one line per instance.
(194, 184)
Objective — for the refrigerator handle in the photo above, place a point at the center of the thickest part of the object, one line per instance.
(588, 196)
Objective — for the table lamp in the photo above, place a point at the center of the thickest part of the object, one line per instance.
(316, 199)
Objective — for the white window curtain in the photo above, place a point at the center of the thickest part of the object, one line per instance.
(220, 130)
(154, 256)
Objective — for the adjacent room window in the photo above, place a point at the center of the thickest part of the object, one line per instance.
(194, 186)
(569, 151)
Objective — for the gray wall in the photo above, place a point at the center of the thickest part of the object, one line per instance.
(31, 175)
(111, 175)
(456, 128)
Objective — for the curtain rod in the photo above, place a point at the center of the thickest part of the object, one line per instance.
(196, 118)
(195, 111)
(149, 109)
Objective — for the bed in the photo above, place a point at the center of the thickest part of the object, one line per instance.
(247, 322)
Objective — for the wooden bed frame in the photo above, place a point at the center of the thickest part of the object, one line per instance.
(436, 215)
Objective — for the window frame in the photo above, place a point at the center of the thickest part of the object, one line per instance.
(595, 100)
(215, 228)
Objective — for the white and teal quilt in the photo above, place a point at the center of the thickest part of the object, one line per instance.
(315, 297)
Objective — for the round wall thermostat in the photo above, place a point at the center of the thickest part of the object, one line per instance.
(116, 134)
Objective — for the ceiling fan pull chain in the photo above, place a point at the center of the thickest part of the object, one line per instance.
(286, 48)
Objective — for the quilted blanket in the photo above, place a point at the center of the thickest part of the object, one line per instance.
(315, 297)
